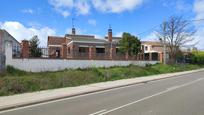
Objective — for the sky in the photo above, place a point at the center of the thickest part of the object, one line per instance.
(26, 18)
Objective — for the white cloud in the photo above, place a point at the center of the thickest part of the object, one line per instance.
(97, 36)
(64, 13)
(28, 11)
(116, 6)
(82, 8)
(20, 32)
(199, 36)
(92, 22)
(199, 9)
(64, 7)
(199, 26)
(179, 6)
(182, 5)
(62, 3)
(151, 37)
(119, 34)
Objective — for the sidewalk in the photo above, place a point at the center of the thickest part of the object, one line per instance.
(9, 102)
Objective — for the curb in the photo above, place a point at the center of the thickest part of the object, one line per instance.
(89, 92)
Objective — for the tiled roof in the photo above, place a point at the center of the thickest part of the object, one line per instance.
(79, 36)
(84, 38)
(88, 40)
(114, 38)
(55, 40)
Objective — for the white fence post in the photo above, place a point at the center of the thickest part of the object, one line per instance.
(8, 53)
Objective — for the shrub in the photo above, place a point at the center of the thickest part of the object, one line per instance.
(13, 71)
(28, 82)
(197, 57)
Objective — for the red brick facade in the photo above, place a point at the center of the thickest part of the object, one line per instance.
(73, 46)
(153, 50)
(82, 47)
(25, 49)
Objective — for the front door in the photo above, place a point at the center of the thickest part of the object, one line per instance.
(57, 53)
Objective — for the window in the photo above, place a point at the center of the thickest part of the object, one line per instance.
(118, 51)
(83, 50)
(100, 50)
(146, 48)
(68, 50)
(57, 53)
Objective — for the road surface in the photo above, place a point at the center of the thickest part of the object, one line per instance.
(181, 95)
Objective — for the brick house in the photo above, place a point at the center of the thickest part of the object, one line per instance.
(83, 47)
(153, 50)
(73, 46)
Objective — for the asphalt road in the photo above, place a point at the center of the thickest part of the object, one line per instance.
(182, 95)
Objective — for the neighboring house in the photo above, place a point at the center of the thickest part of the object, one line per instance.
(153, 50)
(44, 52)
(4, 37)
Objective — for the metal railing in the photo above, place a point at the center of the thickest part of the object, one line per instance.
(94, 56)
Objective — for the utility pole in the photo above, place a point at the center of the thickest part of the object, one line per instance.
(164, 42)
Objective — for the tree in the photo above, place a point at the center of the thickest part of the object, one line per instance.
(35, 51)
(129, 45)
(175, 34)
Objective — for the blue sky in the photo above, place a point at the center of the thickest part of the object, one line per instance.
(25, 18)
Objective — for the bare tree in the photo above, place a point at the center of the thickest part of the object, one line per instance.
(175, 34)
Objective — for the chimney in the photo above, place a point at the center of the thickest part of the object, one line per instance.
(73, 31)
(25, 49)
(110, 34)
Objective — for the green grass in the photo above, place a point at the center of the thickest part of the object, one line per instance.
(15, 81)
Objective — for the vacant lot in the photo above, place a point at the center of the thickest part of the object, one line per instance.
(15, 81)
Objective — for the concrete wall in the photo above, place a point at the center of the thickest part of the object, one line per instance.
(2, 62)
(40, 65)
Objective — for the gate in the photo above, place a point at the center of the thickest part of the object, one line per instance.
(2, 62)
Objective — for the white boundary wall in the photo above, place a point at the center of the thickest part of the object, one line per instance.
(42, 65)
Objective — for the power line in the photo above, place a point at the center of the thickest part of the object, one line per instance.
(202, 19)
(148, 30)
(154, 27)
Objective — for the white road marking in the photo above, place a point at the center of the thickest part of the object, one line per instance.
(96, 113)
(69, 98)
(157, 94)
(173, 88)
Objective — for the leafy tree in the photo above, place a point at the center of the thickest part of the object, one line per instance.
(176, 33)
(129, 45)
(35, 51)
(197, 57)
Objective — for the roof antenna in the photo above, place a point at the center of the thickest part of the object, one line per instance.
(110, 26)
(73, 19)
(73, 28)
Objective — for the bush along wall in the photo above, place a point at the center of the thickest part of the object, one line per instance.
(197, 57)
